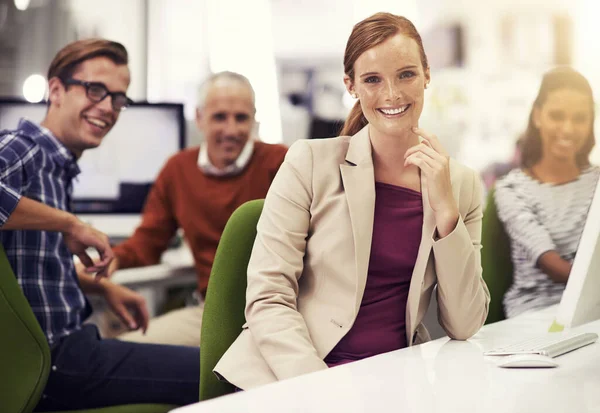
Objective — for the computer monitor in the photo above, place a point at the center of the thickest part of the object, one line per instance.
(580, 302)
(116, 177)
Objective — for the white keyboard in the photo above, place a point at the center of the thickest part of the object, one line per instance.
(550, 344)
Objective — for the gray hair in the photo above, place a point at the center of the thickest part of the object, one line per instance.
(236, 77)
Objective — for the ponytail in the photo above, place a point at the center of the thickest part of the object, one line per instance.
(354, 122)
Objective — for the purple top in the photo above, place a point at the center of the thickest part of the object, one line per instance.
(380, 324)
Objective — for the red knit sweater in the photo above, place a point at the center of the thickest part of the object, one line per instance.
(184, 197)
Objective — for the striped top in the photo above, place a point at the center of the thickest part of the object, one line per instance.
(541, 217)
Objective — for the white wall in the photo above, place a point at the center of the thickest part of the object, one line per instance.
(478, 110)
(190, 39)
(587, 52)
(319, 29)
(119, 20)
(177, 51)
(310, 29)
(240, 40)
(168, 63)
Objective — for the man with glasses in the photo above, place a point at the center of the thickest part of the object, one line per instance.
(97, 92)
(88, 81)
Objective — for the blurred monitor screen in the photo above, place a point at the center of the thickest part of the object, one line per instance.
(117, 176)
(580, 302)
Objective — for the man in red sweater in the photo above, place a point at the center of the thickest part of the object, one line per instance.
(197, 190)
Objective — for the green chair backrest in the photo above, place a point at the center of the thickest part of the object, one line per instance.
(226, 295)
(496, 259)
(25, 355)
(24, 351)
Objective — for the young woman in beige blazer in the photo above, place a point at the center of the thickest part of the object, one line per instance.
(316, 250)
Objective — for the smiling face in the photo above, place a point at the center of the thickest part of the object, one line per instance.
(389, 79)
(77, 121)
(564, 121)
(226, 120)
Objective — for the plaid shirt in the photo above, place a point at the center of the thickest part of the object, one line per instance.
(33, 163)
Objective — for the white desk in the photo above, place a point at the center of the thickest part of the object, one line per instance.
(173, 264)
(439, 376)
(176, 269)
(152, 282)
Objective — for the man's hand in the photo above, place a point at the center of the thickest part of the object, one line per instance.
(128, 305)
(112, 267)
(36, 216)
(80, 236)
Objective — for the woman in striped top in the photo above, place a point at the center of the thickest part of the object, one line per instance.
(544, 205)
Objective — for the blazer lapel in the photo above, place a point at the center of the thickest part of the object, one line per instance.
(358, 178)
(418, 274)
(359, 186)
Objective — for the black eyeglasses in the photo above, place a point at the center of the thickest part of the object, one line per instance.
(97, 92)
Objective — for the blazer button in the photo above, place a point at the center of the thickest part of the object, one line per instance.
(336, 323)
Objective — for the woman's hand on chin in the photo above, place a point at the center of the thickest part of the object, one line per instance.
(433, 161)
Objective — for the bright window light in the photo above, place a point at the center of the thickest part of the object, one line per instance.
(586, 32)
(406, 8)
(348, 101)
(240, 39)
(34, 88)
(22, 4)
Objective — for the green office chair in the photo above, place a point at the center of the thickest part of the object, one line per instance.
(496, 260)
(25, 355)
(226, 296)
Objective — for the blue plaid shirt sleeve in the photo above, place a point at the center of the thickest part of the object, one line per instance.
(34, 163)
(17, 158)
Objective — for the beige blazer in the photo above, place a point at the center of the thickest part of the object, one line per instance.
(308, 268)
